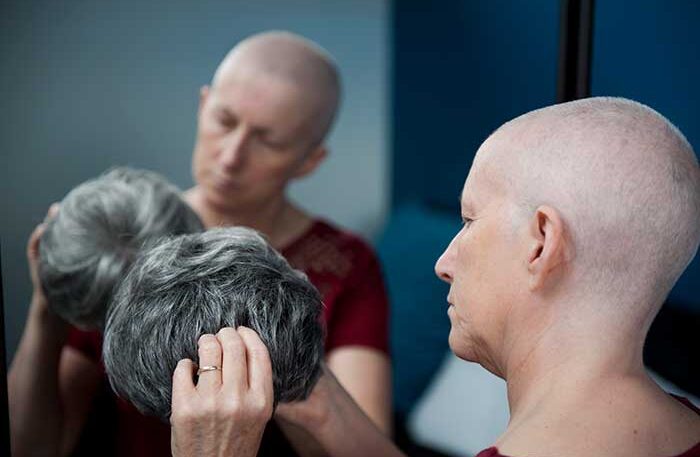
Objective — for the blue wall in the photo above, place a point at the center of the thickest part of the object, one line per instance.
(460, 71)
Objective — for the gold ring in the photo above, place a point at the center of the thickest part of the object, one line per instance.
(207, 368)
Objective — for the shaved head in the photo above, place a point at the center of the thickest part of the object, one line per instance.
(290, 59)
(578, 220)
(626, 182)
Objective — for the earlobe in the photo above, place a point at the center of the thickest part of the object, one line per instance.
(548, 254)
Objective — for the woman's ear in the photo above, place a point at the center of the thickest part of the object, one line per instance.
(311, 161)
(549, 253)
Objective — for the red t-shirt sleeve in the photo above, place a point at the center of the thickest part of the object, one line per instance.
(361, 312)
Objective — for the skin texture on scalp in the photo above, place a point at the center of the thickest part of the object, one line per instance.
(197, 284)
(627, 184)
(296, 61)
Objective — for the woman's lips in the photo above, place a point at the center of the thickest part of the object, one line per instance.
(223, 182)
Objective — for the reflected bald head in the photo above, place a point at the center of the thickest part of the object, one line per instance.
(626, 182)
(294, 60)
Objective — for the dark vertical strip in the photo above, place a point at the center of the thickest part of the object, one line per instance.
(4, 410)
(575, 45)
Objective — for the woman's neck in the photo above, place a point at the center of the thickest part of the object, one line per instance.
(279, 220)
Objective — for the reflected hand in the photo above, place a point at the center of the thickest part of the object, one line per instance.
(38, 298)
(225, 413)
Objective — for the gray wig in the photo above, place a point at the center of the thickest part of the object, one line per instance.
(195, 284)
(101, 225)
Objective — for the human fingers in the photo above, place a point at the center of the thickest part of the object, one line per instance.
(234, 367)
(259, 365)
(209, 364)
(183, 387)
(35, 237)
(33, 261)
(53, 210)
(33, 243)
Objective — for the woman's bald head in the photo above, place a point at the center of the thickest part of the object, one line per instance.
(625, 180)
(296, 61)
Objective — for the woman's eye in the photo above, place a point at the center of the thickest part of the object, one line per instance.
(467, 221)
(227, 122)
(267, 142)
(272, 144)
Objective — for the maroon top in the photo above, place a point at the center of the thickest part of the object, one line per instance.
(692, 452)
(347, 274)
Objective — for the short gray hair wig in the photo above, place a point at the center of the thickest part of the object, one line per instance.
(87, 248)
(196, 284)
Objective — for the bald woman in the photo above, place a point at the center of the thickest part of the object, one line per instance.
(578, 220)
(261, 124)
